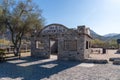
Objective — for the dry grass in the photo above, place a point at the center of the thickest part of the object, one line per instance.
(22, 54)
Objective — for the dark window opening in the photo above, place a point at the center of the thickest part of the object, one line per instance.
(39, 45)
(87, 44)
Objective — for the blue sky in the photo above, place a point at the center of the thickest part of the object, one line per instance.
(102, 16)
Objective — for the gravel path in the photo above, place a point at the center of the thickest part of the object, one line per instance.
(28, 68)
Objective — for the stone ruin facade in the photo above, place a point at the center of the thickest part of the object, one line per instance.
(69, 44)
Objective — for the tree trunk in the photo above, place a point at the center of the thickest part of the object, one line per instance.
(17, 48)
(17, 51)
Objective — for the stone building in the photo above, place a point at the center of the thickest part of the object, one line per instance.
(69, 44)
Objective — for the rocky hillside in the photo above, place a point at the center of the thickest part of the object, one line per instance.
(110, 36)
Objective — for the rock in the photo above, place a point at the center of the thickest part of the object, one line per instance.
(116, 62)
(112, 59)
(96, 61)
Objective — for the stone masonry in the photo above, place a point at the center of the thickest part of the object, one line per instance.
(72, 44)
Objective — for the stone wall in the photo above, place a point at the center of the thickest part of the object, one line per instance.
(42, 51)
(81, 38)
(73, 44)
(88, 50)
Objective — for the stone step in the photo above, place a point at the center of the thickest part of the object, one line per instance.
(112, 59)
(103, 61)
(116, 62)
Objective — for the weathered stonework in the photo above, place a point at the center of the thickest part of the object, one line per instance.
(72, 44)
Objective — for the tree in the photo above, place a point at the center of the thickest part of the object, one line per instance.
(20, 17)
(2, 26)
(104, 44)
(97, 43)
(112, 44)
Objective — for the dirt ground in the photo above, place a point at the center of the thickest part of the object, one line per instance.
(27, 68)
(109, 54)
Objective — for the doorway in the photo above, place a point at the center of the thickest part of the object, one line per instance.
(53, 48)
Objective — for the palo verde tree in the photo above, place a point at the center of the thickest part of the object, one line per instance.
(20, 17)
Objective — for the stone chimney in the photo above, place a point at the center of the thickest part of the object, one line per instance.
(81, 29)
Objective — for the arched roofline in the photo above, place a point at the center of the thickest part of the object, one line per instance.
(50, 25)
(54, 24)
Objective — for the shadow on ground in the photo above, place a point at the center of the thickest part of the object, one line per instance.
(29, 68)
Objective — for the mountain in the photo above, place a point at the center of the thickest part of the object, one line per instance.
(106, 37)
(96, 36)
(117, 36)
(110, 35)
